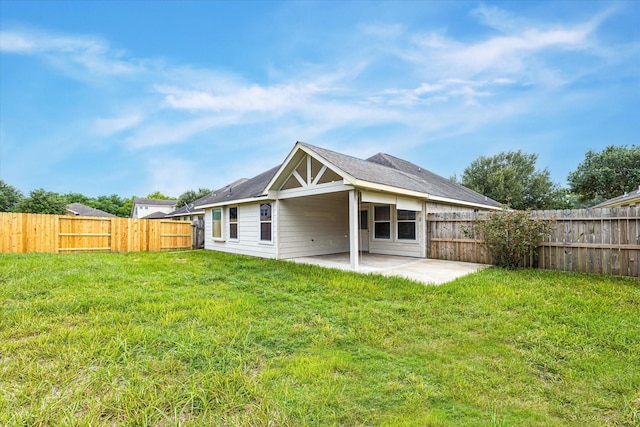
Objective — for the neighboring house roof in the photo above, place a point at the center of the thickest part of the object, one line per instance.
(154, 202)
(628, 199)
(83, 210)
(155, 215)
(382, 169)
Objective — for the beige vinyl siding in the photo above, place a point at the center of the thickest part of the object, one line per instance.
(441, 207)
(394, 246)
(248, 242)
(315, 225)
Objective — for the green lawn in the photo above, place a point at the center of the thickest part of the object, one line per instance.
(202, 338)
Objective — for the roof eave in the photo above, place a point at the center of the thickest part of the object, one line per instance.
(196, 212)
(417, 194)
(233, 202)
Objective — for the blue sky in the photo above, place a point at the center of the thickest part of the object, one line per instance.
(104, 97)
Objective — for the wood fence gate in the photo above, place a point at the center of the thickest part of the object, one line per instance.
(198, 233)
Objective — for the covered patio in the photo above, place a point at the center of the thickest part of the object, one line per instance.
(428, 271)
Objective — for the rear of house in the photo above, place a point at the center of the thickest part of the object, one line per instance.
(320, 202)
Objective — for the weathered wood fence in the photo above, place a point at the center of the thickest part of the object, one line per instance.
(605, 241)
(21, 232)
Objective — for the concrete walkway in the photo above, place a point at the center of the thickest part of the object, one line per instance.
(429, 271)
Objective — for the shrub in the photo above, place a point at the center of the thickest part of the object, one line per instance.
(509, 236)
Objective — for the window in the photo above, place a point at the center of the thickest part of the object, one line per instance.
(216, 222)
(233, 223)
(265, 222)
(406, 225)
(382, 222)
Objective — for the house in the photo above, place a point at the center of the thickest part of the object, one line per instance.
(627, 199)
(143, 208)
(321, 202)
(78, 209)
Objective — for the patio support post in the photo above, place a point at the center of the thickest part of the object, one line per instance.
(353, 230)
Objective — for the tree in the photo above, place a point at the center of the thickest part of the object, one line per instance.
(511, 178)
(43, 202)
(191, 196)
(9, 197)
(77, 198)
(158, 196)
(607, 174)
(113, 204)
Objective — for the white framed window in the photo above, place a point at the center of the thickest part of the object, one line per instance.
(406, 224)
(216, 223)
(233, 223)
(382, 222)
(265, 222)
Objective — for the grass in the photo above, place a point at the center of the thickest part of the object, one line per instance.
(202, 338)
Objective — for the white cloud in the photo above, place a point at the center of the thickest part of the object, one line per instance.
(15, 43)
(114, 125)
(89, 54)
(447, 85)
(172, 131)
(497, 18)
(247, 98)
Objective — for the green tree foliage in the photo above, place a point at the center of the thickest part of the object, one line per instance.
(607, 174)
(191, 195)
(509, 236)
(43, 202)
(77, 198)
(9, 197)
(113, 204)
(511, 178)
(158, 196)
(127, 206)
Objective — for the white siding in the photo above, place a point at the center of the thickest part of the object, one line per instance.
(316, 225)
(409, 248)
(248, 242)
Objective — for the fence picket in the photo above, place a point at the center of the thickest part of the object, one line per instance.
(604, 241)
(21, 232)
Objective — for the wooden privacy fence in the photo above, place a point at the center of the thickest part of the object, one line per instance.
(21, 232)
(605, 241)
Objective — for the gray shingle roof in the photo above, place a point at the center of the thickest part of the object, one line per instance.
(154, 202)
(241, 189)
(192, 207)
(433, 184)
(380, 169)
(633, 196)
(389, 170)
(188, 209)
(155, 215)
(83, 210)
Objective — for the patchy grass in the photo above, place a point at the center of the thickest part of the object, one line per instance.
(202, 338)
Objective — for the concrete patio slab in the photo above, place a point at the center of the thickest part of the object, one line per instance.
(429, 271)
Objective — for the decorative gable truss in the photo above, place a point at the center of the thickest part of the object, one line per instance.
(310, 171)
(306, 175)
